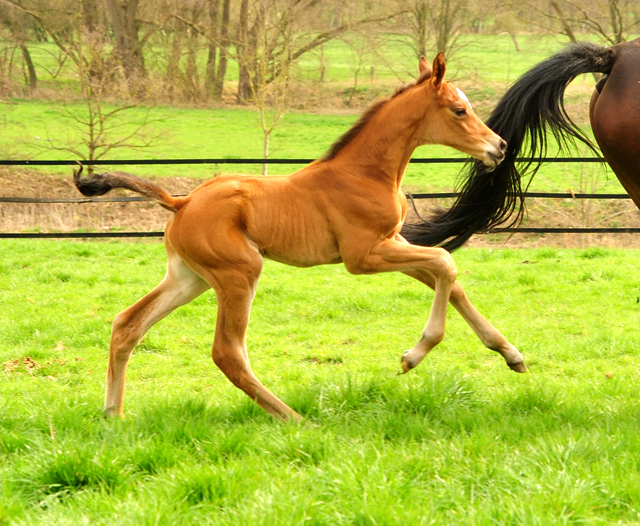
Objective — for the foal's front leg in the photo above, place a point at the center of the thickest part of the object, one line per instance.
(488, 334)
(397, 255)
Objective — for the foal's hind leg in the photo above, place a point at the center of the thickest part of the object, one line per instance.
(235, 290)
(179, 286)
(487, 333)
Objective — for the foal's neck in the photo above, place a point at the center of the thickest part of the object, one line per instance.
(384, 147)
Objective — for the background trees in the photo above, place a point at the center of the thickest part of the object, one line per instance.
(435, 25)
(271, 54)
(186, 49)
(608, 21)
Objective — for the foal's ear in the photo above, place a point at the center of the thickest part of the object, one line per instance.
(424, 70)
(439, 68)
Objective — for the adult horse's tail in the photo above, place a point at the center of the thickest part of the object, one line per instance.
(491, 198)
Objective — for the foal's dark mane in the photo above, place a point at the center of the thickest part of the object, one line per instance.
(364, 119)
(530, 106)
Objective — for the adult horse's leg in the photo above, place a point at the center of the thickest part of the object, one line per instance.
(179, 286)
(487, 333)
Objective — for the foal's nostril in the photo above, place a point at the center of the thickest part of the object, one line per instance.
(503, 146)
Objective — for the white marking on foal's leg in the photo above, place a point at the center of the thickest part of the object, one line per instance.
(179, 286)
(433, 332)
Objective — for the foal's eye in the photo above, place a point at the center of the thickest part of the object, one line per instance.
(460, 112)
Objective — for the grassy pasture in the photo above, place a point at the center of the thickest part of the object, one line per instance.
(459, 440)
(234, 133)
(483, 67)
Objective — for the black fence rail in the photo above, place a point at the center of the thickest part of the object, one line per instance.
(417, 196)
(224, 160)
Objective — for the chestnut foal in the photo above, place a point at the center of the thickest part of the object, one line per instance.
(347, 207)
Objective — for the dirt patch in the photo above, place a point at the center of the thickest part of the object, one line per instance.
(72, 217)
(148, 216)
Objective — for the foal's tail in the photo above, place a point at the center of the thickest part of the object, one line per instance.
(491, 198)
(99, 184)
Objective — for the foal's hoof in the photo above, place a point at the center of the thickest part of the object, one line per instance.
(113, 413)
(407, 362)
(295, 418)
(518, 367)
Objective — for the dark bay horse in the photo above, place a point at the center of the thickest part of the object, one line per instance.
(533, 104)
(346, 207)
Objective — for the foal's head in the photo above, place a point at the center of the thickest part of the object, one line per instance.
(450, 120)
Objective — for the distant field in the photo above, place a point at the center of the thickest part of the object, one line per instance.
(483, 67)
(459, 440)
(234, 133)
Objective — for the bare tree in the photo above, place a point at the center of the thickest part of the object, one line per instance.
(245, 50)
(97, 128)
(126, 42)
(15, 20)
(270, 97)
(20, 40)
(436, 25)
(272, 102)
(190, 22)
(611, 21)
(61, 23)
(274, 34)
(223, 46)
(101, 127)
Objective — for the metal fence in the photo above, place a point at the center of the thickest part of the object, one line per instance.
(417, 196)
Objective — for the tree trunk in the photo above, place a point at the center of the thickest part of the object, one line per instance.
(616, 21)
(421, 14)
(192, 78)
(33, 79)
(444, 27)
(566, 28)
(19, 37)
(90, 15)
(172, 74)
(244, 86)
(93, 34)
(210, 74)
(125, 32)
(224, 49)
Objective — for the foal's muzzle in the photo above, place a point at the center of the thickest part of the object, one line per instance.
(497, 155)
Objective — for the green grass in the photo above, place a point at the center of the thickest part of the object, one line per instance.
(459, 440)
(234, 133)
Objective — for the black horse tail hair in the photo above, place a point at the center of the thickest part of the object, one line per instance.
(101, 183)
(535, 101)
